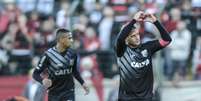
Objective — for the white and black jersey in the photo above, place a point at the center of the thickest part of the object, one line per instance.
(61, 68)
(135, 64)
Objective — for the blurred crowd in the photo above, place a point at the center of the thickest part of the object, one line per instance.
(27, 29)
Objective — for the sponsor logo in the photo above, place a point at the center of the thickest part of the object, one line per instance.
(140, 64)
(63, 72)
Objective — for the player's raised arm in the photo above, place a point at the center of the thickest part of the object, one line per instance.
(165, 37)
(126, 29)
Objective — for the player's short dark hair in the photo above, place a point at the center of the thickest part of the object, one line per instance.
(60, 32)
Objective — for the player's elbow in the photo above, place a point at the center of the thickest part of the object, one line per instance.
(36, 74)
(164, 43)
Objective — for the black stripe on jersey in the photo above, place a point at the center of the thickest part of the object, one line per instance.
(51, 71)
(127, 60)
(125, 78)
(61, 58)
(127, 53)
(125, 69)
(54, 57)
(53, 64)
(128, 66)
(124, 81)
(52, 68)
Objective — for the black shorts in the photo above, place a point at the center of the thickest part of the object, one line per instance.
(64, 96)
(124, 96)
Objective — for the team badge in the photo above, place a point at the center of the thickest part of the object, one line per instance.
(144, 53)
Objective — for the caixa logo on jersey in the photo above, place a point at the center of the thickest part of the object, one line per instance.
(63, 72)
(140, 64)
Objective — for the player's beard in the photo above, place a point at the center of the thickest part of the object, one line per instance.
(133, 43)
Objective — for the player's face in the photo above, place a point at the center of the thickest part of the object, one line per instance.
(67, 40)
(134, 38)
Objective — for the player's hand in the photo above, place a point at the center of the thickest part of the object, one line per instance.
(86, 88)
(150, 18)
(139, 16)
(47, 82)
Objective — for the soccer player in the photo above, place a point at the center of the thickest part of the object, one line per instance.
(134, 59)
(60, 62)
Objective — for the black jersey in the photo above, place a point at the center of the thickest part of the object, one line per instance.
(135, 64)
(61, 68)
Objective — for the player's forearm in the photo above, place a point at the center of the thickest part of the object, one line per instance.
(36, 76)
(163, 32)
(126, 30)
(78, 77)
(166, 39)
(120, 42)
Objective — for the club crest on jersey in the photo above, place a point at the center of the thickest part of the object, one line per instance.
(144, 53)
(71, 62)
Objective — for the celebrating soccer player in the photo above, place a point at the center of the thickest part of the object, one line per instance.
(135, 59)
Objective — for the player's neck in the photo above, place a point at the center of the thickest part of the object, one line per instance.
(60, 48)
(133, 46)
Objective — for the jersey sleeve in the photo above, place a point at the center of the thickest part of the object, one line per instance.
(76, 72)
(120, 45)
(154, 46)
(42, 65)
(165, 37)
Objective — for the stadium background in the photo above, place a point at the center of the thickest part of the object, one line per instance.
(27, 29)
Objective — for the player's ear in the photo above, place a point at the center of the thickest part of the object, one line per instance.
(126, 40)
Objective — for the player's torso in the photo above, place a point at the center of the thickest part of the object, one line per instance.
(136, 61)
(136, 71)
(60, 70)
(60, 65)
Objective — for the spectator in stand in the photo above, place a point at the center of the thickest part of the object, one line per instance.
(34, 23)
(91, 41)
(95, 16)
(90, 70)
(105, 28)
(21, 52)
(179, 50)
(62, 16)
